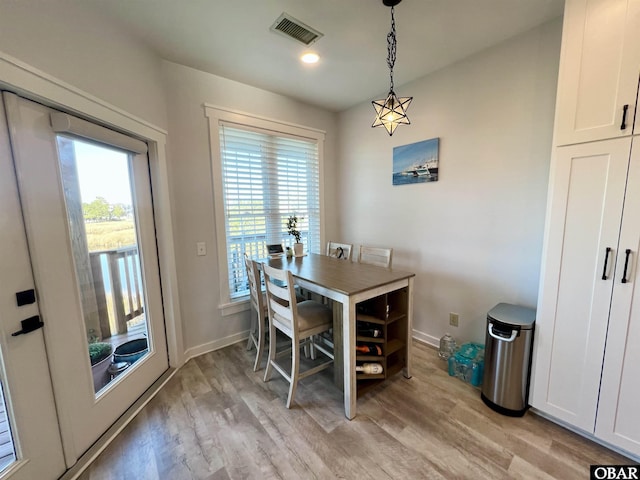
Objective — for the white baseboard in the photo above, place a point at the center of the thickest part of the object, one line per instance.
(425, 338)
(242, 336)
(215, 345)
(584, 434)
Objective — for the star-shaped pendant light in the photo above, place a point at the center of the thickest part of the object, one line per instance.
(391, 111)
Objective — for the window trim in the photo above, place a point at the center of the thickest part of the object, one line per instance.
(215, 116)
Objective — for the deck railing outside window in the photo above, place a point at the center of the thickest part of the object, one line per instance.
(256, 247)
(118, 287)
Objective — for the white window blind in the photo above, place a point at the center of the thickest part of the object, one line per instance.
(266, 177)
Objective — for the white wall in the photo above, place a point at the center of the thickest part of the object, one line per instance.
(75, 45)
(474, 237)
(90, 52)
(187, 90)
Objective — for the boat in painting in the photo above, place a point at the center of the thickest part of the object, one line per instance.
(423, 169)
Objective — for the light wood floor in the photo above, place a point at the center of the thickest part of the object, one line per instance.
(216, 419)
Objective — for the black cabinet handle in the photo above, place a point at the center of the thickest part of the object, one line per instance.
(626, 264)
(623, 126)
(606, 260)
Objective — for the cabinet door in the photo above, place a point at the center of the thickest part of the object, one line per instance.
(583, 221)
(599, 68)
(618, 413)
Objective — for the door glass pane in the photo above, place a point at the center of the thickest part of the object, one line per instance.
(99, 201)
(7, 449)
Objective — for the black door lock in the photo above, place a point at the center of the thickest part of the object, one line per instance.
(29, 325)
(26, 298)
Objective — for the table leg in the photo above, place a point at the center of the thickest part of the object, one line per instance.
(349, 358)
(338, 347)
(407, 368)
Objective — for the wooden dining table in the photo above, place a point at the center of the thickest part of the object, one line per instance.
(349, 284)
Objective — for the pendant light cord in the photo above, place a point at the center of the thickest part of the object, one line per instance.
(391, 48)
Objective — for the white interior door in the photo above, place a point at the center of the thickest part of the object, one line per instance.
(30, 443)
(95, 286)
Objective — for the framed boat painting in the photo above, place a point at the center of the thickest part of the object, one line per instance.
(416, 162)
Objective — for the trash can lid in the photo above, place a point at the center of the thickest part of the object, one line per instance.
(509, 314)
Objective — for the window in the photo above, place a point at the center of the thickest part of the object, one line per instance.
(266, 175)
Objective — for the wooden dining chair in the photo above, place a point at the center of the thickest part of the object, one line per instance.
(339, 250)
(298, 321)
(375, 256)
(256, 299)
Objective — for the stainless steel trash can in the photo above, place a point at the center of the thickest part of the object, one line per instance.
(507, 358)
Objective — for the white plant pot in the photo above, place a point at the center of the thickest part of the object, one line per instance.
(297, 249)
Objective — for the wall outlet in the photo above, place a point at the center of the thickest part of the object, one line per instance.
(453, 319)
(201, 249)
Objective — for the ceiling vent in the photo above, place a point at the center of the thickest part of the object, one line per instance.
(293, 28)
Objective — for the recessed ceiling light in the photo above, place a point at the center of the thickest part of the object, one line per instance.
(310, 57)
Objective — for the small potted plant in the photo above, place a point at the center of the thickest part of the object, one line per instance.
(292, 228)
(100, 357)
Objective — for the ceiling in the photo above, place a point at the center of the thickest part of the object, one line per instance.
(232, 39)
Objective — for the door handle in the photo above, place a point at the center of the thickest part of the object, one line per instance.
(626, 264)
(623, 126)
(606, 260)
(29, 325)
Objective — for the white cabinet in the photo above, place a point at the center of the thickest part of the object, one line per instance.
(583, 225)
(599, 71)
(586, 313)
(586, 361)
(618, 420)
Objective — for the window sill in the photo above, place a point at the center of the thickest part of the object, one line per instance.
(234, 307)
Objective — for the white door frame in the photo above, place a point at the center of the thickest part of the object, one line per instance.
(31, 413)
(31, 83)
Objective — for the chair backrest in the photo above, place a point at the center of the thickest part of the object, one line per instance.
(375, 256)
(255, 286)
(281, 299)
(339, 250)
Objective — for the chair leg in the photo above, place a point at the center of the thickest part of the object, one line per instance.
(259, 343)
(295, 370)
(252, 330)
(308, 350)
(272, 351)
